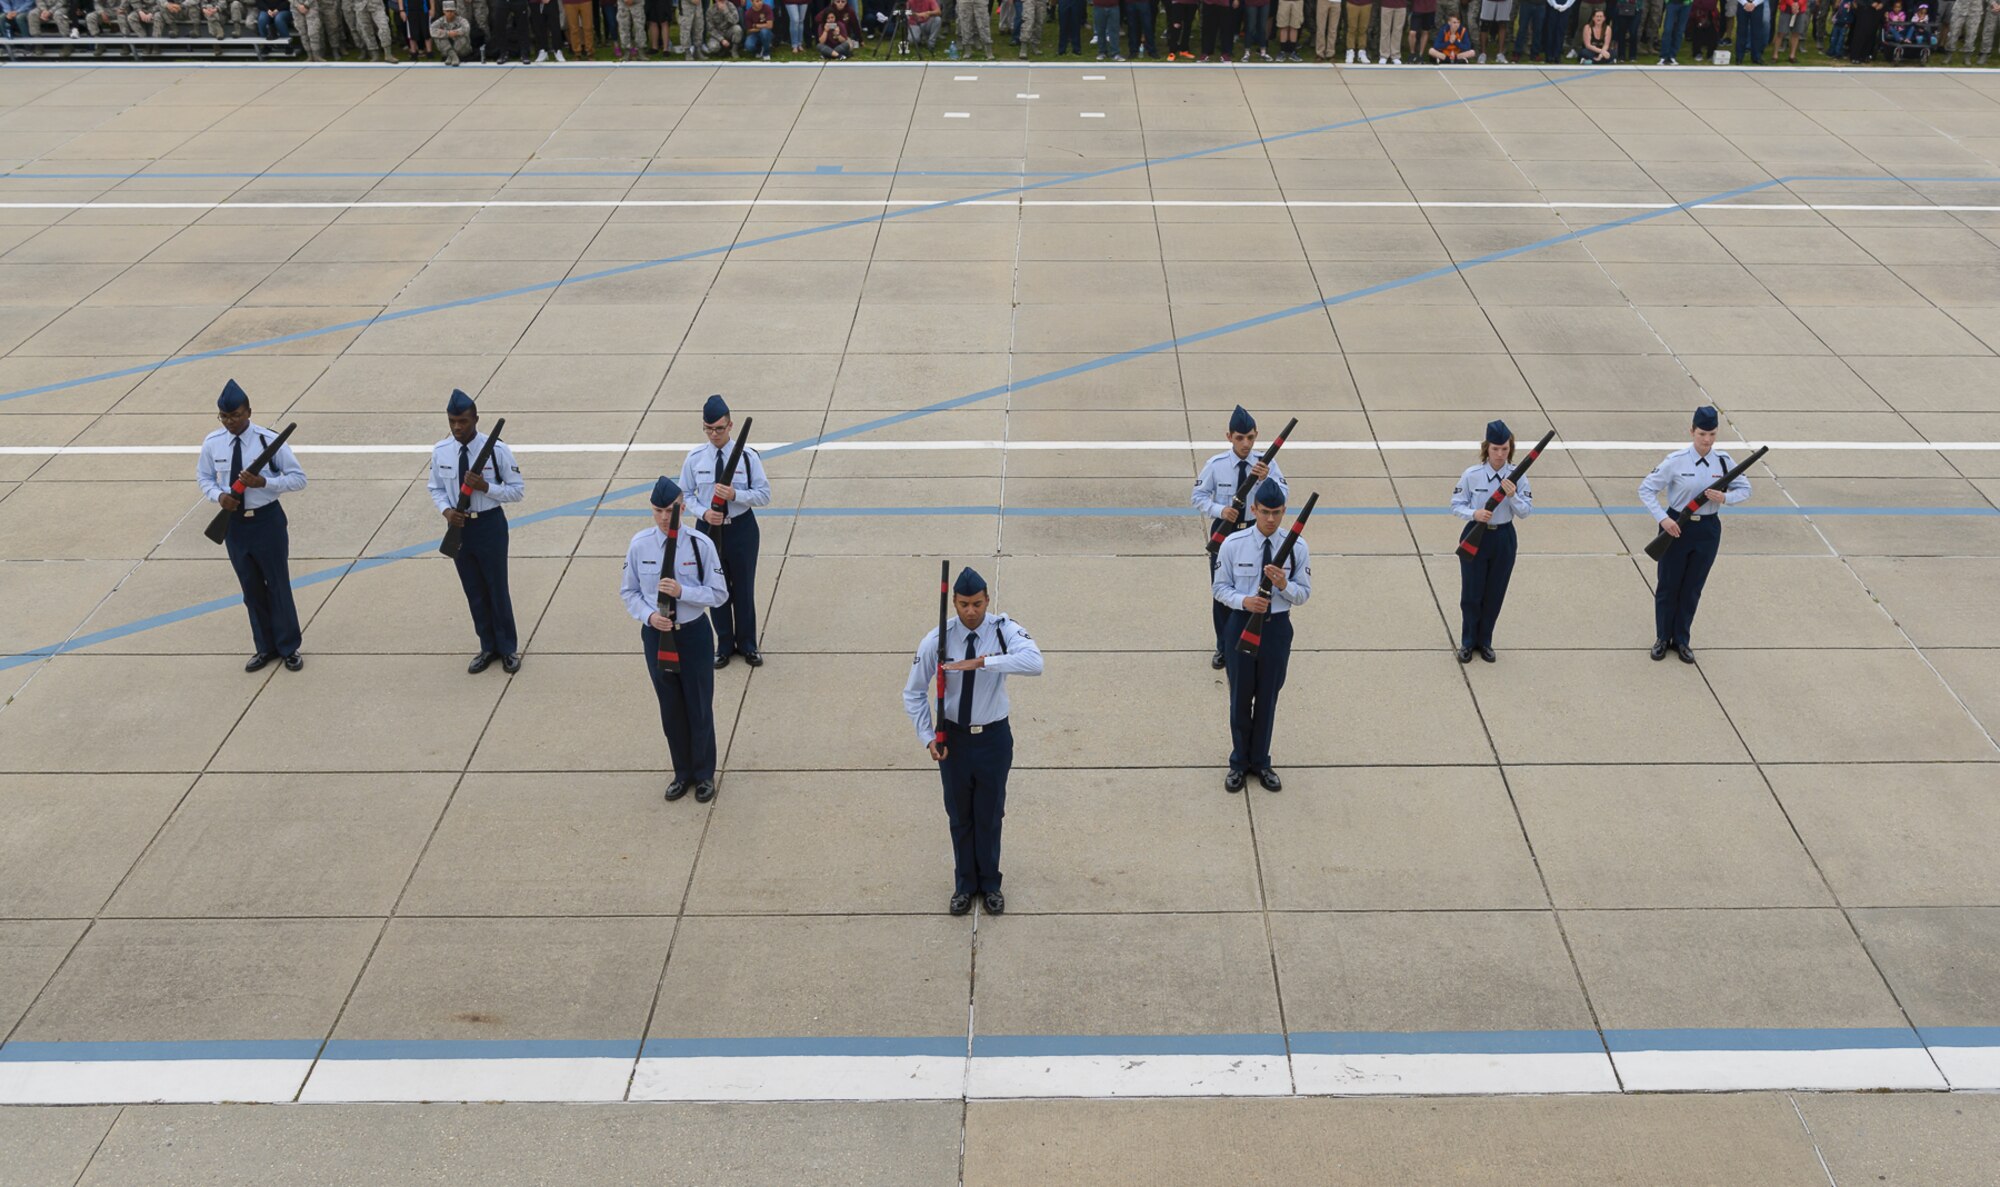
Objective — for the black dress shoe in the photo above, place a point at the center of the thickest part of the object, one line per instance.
(1659, 651)
(294, 662)
(996, 903)
(510, 663)
(480, 663)
(676, 790)
(1465, 655)
(1486, 653)
(258, 661)
(1685, 652)
(704, 791)
(754, 658)
(1269, 778)
(1233, 781)
(1215, 661)
(961, 904)
(721, 662)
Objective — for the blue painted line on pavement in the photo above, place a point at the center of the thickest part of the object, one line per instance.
(396, 174)
(1448, 1042)
(780, 237)
(1764, 1039)
(1174, 512)
(96, 1052)
(835, 1045)
(376, 1049)
(1019, 1046)
(1717, 1039)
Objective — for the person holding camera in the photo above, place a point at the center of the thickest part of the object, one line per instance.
(924, 20)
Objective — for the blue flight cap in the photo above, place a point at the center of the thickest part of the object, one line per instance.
(665, 491)
(714, 409)
(459, 404)
(1705, 417)
(1270, 494)
(232, 397)
(1241, 421)
(969, 584)
(1497, 432)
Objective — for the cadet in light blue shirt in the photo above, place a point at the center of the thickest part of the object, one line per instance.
(981, 651)
(1222, 478)
(1244, 562)
(734, 529)
(259, 543)
(482, 551)
(1483, 577)
(1682, 478)
(687, 697)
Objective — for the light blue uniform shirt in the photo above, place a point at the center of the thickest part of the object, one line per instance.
(282, 475)
(989, 689)
(1239, 570)
(503, 477)
(698, 569)
(1477, 485)
(1680, 478)
(705, 463)
(1215, 486)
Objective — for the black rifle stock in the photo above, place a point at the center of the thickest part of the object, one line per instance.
(454, 534)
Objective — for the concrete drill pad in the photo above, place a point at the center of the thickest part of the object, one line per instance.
(364, 713)
(1909, 1138)
(1940, 961)
(904, 1144)
(1184, 1143)
(1389, 838)
(1844, 706)
(279, 845)
(168, 980)
(71, 838)
(1929, 849)
(1663, 836)
(1600, 707)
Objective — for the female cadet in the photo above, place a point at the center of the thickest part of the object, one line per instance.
(1685, 476)
(693, 578)
(1482, 577)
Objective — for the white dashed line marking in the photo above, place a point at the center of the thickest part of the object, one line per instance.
(1091, 115)
(958, 115)
(1093, 78)
(1018, 96)
(965, 78)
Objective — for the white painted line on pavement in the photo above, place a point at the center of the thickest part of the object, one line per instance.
(888, 446)
(531, 1079)
(143, 1081)
(1466, 1073)
(887, 203)
(1834, 1070)
(800, 1077)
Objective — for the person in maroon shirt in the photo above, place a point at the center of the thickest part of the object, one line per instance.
(1423, 24)
(1218, 28)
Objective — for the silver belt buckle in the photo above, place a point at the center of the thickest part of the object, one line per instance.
(249, 514)
(472, 515)
(975, 729)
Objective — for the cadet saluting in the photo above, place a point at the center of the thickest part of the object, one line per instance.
(734, 530)
(482, 551)
(1222, 478)
(978, 750)
(259, 546)
(1483, 577)
(1683, 476)
(687, 697)
(1242, 565)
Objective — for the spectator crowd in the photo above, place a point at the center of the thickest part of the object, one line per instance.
(1355, 32)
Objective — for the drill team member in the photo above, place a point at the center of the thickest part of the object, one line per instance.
(1222, 477)
(687, 697)
(1243, 563)
(980, 651)
(734, 529)
(482, 553)
(1682, 477)
(1482, 579)
(258, 543)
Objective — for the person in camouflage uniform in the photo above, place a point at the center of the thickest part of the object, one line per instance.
(368, 21)
(451, 33)
(725, 28)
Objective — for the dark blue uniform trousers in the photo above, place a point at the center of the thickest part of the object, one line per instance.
(1254, 681)
(260, 550)
(736, 619)
(482, 571)
(975, 770)
(687, 698)
(1683, 572)
(1482, 584)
